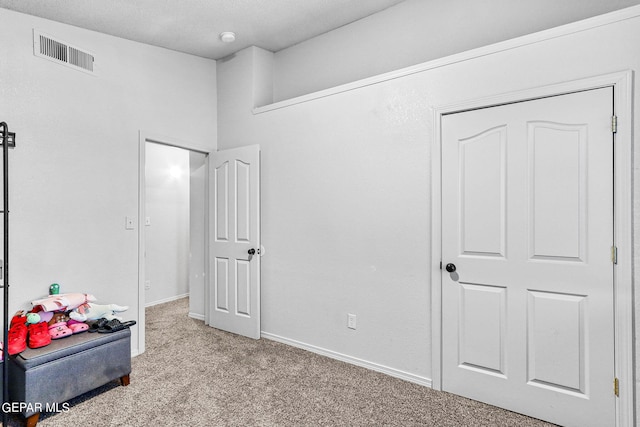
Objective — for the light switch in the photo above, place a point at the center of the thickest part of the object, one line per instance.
(351, 321)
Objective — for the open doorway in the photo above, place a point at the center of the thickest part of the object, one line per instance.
(174, 226)
(172, 234)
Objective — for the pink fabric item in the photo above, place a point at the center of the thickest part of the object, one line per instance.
(45, 316)
(63, 301)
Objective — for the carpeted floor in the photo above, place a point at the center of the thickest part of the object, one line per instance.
(194, 375)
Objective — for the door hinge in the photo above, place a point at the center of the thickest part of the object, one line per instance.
(616, 387)
(614, 254)
(614, 124)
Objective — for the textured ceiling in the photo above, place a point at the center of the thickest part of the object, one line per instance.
(193, 26)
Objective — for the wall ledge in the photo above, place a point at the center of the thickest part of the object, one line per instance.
(540, 36)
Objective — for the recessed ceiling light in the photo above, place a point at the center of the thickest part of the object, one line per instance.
(228, 36)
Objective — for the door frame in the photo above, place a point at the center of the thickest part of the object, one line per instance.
(143, 138)
(622, 83)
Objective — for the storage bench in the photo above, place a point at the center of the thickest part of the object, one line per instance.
(42, 379)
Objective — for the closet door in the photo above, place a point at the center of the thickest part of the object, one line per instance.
(527, 231)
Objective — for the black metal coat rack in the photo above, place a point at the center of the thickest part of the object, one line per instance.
(8, 140)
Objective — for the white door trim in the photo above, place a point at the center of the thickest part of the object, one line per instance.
(143, 138)
(623, 231)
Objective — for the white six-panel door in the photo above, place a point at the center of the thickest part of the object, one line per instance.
(234, 206)
(527, 221)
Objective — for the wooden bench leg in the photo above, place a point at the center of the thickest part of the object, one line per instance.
(124, 380)
(32, 420)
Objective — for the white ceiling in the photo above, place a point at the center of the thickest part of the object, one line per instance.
(193, 26)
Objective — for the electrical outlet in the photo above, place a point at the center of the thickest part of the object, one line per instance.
(351, 321)
(129, 223)
(147, 284)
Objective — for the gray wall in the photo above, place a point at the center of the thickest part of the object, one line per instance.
(346, 208)
(167, 242)
(74, 172)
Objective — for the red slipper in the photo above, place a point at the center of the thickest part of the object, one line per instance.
(39, 335)
(17, 336)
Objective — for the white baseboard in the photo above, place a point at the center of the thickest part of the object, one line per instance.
(352, 360)
(196, 316)
(162, 301)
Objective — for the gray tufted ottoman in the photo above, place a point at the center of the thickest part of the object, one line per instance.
(42, 379)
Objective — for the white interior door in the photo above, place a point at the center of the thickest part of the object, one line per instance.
(527, 221)
(234, 185)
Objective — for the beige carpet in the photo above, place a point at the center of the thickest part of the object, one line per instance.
(194, 375)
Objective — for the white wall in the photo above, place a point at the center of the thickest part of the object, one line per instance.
(346, 188)
(197, 233)
(74, 172)
(416, 31)
(167, 179)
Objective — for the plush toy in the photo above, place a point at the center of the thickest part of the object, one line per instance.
(33, 318)
(93, 311)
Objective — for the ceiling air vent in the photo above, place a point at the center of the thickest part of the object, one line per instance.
(56, 50)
